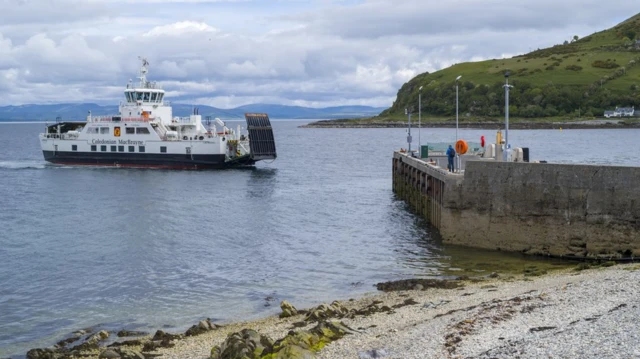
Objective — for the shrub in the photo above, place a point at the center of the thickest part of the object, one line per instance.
(608, 64)
(549, 68)
(573, 67)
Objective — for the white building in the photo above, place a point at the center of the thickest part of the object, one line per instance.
(624, 111)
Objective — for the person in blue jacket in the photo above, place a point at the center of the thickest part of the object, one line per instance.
(451, 154)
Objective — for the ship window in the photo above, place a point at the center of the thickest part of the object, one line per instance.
(132, 148)
(120, 148)
(131, 130)
(160, 97)
(92, 130)
(140, 148)
(127, 95)
(139, 96)
(113, 148)
(163, 149)
(94, 148)
(104, 130)
(146, 96)
(142, 131)
(154, 97)
(103, 148)
(74, 147)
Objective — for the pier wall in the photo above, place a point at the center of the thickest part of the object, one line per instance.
(545, 209)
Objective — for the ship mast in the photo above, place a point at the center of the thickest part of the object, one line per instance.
(143, 72)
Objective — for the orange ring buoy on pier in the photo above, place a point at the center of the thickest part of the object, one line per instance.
(462, 147)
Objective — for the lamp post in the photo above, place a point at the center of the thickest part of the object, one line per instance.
(420, 120)
(457, 79)
(406, 111)
(457, 154)
(506, 114)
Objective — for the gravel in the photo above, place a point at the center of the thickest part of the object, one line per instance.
(588, 314)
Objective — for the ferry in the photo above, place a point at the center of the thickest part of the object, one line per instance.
(146, 134)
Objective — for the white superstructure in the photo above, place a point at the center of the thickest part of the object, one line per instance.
(145, 133)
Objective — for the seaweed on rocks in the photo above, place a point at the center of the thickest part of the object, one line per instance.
(202, 327)
(420, 284)
(130, 333)
(288, 310)
(249, 344)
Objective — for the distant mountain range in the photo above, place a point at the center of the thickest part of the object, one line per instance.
(79, 111)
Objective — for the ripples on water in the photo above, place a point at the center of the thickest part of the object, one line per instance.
(152, 248)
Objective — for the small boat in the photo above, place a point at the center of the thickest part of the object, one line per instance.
(146, 134)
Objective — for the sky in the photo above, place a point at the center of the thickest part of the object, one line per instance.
(227, 53)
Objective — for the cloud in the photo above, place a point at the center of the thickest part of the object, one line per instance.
(229, 53)
(179, 29)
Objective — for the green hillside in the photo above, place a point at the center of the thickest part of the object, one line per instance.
(583, 78)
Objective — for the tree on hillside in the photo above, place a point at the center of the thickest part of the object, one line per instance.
(575, 38)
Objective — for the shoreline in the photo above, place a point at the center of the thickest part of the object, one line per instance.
(496, 317)
(474, 125)
(500, 315)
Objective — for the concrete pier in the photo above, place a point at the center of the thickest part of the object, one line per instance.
(561, 210)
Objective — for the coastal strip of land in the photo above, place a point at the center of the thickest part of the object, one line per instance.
(582, 312)
(590, 124)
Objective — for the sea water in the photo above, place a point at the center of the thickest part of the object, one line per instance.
(149, 249)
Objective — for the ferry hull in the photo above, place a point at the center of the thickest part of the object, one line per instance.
(145, 160)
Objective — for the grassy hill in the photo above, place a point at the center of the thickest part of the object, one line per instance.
(580, 78)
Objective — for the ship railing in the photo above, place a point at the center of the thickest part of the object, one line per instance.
(61, 136)
(181, 120)
(119, 119)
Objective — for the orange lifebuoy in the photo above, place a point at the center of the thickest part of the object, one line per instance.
(461, 147)
(481, 141)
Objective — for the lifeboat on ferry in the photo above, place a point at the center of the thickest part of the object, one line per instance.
(172, 135)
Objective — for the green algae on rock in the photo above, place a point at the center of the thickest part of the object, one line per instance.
(249, 344)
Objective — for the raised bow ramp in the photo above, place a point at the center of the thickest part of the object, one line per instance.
(261, 140)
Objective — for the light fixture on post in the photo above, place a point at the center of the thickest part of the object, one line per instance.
(420, 120)
(506, 115)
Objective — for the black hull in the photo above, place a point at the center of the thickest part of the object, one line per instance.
(145, 160)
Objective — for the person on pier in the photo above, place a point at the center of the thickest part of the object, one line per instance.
(451, 154)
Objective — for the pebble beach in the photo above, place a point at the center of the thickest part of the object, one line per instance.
(568, 313)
